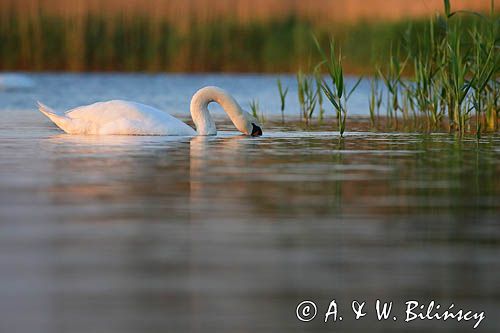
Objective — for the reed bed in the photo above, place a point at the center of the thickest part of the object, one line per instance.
(182, 13)
(119, 43)
(455, 75)
(198, 35)
(442, 75)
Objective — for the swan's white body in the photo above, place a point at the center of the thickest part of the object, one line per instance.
(119, 117)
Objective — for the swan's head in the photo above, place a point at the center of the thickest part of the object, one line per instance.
(251, 126)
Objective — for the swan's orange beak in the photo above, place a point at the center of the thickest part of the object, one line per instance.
(256, 130)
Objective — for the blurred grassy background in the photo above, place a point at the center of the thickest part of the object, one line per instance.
(204, 35)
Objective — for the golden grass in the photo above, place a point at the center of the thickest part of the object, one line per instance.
(201, 35)
(181, 12)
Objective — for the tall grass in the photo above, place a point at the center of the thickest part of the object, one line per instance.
(307, 95)
(444, 73)
(375, 100)
(255, 109)
(47, 39)
(454, 81)
(282, 92)
(335, 89)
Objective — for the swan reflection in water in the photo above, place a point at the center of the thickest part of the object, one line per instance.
(221, 171)
(137, 173)
(213, 173)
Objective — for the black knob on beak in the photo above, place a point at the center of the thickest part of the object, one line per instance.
(256, 130)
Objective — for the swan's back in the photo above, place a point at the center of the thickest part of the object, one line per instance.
(111, 110)
(120, 117)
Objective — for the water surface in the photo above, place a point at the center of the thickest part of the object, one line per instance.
(229, 233)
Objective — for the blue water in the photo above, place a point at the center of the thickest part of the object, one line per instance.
(230, 233)
(171, 93)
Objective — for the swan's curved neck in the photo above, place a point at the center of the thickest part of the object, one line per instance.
(204, 123)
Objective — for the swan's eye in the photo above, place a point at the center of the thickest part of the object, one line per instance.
(256, 130)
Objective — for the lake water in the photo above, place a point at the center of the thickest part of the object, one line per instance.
(230, 233)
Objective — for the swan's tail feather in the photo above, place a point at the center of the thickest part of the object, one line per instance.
(61, 121)
(46, 110)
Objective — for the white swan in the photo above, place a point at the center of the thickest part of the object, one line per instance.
(131, 118)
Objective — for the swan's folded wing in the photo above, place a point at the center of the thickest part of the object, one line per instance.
(131, 118)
